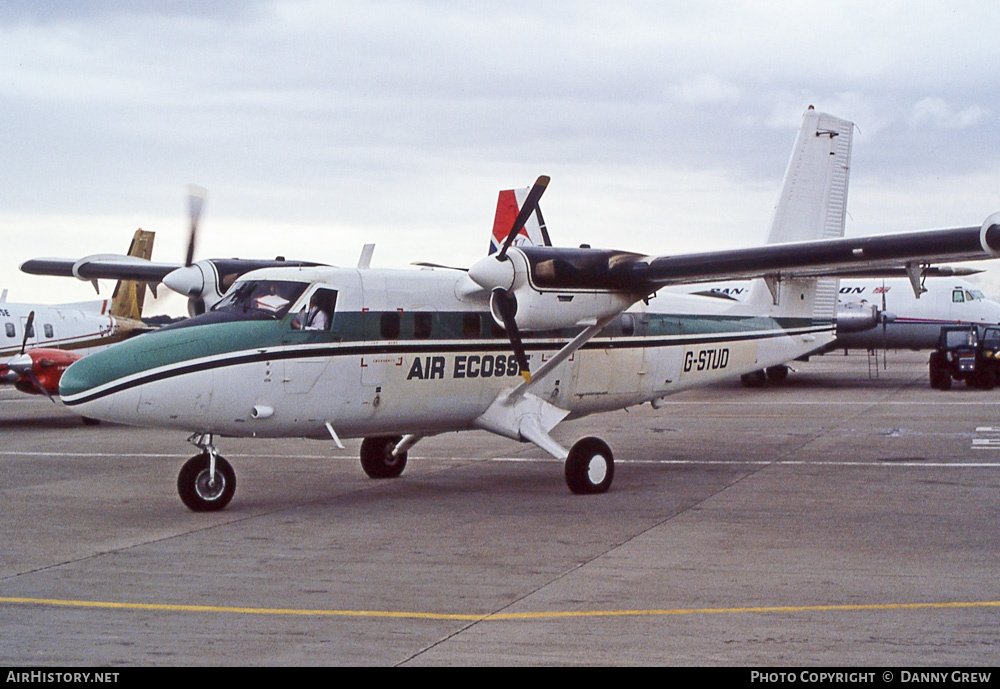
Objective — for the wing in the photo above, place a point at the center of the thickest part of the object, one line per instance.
(826, 257)
(101, 267)
(552, 268)
(117, 267)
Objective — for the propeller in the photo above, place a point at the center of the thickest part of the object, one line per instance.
(23, 364)
(503, 300)
(190, 280)
(196, 202)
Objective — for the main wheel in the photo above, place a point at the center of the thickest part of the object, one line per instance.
(754, 379)
(199, 490)
(988, 378)
(939, 374)
(377, 459)
(590, 467)
(776, 375)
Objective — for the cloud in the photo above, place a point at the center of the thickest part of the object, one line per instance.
(387, 116)
(935, 112)
(705, 89)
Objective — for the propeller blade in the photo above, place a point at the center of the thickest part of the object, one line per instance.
(196, 202)
(507, 307)
(30, 375)
(530, 204)
(27, 329)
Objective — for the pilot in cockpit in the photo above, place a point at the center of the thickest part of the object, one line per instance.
(316, 317)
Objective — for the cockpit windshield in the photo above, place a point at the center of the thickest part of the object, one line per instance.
(259, 299)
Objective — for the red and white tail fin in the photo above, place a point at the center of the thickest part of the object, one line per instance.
(508, 206)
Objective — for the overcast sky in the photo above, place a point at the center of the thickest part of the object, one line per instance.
(319, 126)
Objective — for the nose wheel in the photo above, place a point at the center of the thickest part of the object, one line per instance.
(203, 490)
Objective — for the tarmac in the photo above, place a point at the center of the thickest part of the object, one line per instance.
(838, 520)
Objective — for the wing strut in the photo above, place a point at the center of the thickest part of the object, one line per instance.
(518, 414)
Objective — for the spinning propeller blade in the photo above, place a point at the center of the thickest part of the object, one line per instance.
(196, 201)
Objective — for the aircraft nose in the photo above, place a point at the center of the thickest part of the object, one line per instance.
(83, 376)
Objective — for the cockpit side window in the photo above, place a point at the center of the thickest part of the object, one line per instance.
(319, 313)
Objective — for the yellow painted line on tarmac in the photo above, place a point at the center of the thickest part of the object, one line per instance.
(497, 616)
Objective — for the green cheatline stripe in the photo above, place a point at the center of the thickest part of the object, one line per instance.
(498, 616)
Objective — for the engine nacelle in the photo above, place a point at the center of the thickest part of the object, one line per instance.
(47, 367)
(557, 288)
(556, 310)
(855, 317)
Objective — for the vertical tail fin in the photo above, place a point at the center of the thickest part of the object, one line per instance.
(509, 204)
(126, 302)
(812, 205)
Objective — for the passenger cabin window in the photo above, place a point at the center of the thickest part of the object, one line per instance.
(48, 330)
(389, 325)
(628, 325)
(10, 330)
(471, 325)
(422, 325)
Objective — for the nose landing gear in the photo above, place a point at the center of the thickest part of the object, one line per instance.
(206, 482)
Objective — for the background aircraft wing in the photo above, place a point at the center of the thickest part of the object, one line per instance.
(105, 267)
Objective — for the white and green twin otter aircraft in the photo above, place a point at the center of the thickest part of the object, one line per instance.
(523, 339)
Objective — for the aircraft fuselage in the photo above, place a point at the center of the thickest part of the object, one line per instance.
(411, 352)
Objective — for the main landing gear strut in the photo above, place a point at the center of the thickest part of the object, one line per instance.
(206, 482)
(589, 468)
